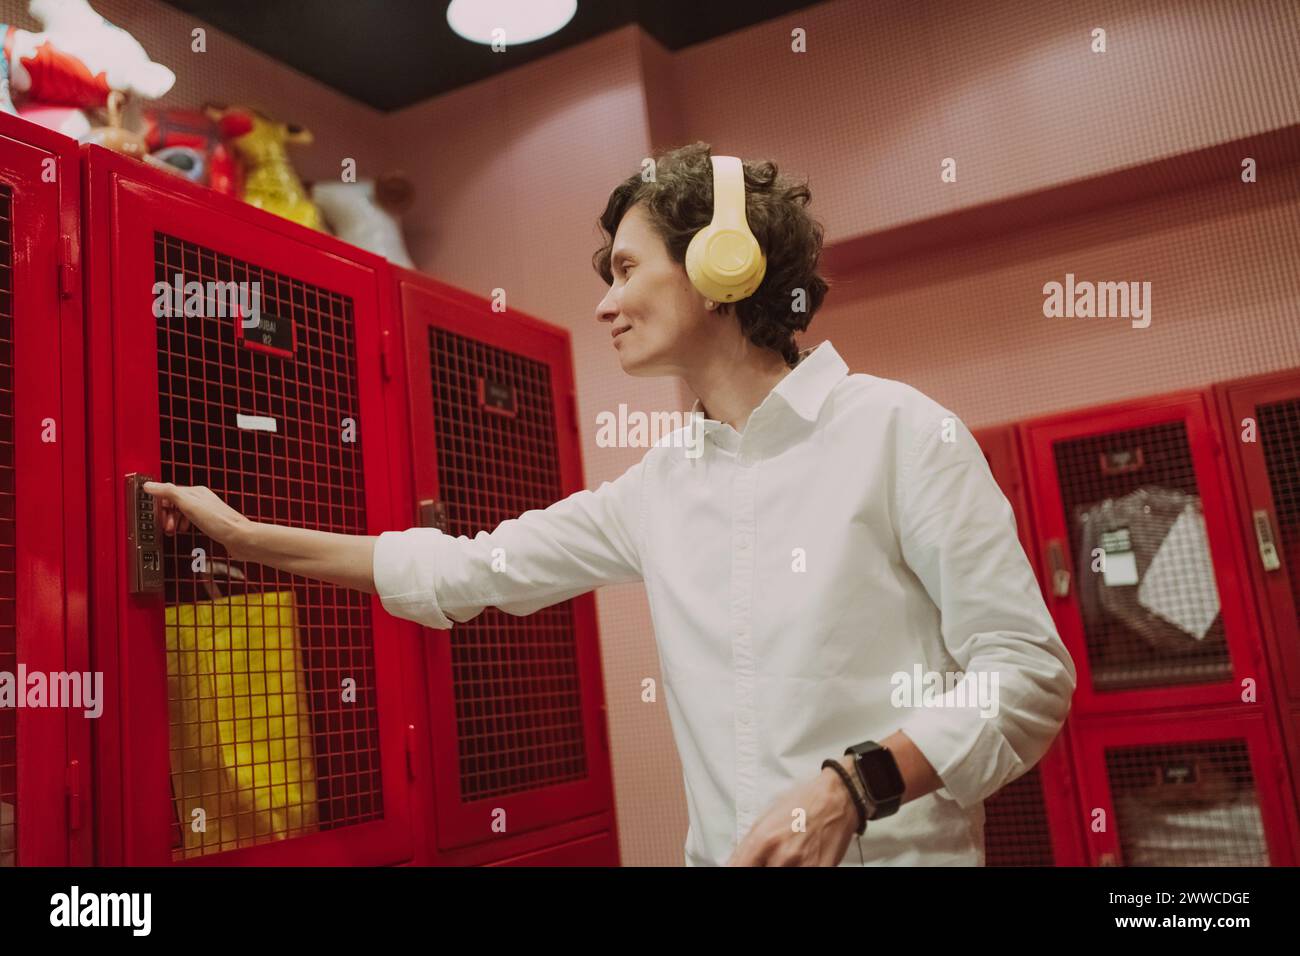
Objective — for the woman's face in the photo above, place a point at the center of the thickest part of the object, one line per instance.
(653, 299)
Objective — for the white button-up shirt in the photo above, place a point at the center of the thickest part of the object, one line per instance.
(808, 579)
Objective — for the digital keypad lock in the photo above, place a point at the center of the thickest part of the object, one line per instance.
(143, 541)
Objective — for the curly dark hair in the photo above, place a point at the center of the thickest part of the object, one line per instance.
(679, 202)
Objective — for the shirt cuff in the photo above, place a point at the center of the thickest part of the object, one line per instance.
(404, 570)
(968, 751)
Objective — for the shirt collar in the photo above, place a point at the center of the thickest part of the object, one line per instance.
(817, 371)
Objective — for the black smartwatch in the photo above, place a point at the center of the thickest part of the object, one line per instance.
(880, 777)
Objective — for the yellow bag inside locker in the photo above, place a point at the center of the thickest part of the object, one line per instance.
(240, 726)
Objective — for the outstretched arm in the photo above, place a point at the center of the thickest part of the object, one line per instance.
(344, 559)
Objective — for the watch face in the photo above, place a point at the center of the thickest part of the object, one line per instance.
(880, 774)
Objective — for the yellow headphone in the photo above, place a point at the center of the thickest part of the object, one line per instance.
(723, 260)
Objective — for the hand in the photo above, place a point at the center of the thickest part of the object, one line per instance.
(183, 506)
(830, 821)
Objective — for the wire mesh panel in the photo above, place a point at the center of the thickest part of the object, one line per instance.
(1146, 585)
(8, 544)
(1279, 439)
(519, 718)
(271, 677)
(1020, 827)
(1017, 831)
(1016, 827)
(1187, 804)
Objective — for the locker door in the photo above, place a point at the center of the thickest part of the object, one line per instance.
(1141, 562)
(517, 714)
(42, 545)
(1185, 789)
(1261, 428)
(1034, 820)
(260, 713)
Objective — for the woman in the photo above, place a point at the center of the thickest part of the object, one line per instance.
(848, 626)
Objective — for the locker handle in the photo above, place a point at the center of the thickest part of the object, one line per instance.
(1059, 574)
(144, 549)
(1266, 540)
(433, 514)
(74, 794)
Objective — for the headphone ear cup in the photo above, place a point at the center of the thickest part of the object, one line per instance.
(721, 280)
(694, 263)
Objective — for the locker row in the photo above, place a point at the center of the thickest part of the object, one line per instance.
(152, 329)
(1165, 532)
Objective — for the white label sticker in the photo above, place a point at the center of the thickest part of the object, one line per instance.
(1120, 570)
(257, 423)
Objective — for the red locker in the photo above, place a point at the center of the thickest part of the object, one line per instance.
(44, 774)
(1034, 820)
(515, 705)
(1261, 428)
(1196, 788)
(1141, 563)
(267, 706)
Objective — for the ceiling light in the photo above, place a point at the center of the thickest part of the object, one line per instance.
(520, 21)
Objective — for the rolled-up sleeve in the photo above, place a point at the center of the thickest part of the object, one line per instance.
(540, 558)
(958, 535)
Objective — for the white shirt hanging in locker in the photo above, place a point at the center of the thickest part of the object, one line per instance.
(852, 532)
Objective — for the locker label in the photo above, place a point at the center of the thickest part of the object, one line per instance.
(496, 396)
(258, 423)
(1120, 567)
(266, 332)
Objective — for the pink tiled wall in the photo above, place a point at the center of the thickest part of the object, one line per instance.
(512, 172)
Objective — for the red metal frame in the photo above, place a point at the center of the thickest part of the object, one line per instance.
(1001, 446)
(1263, 743)
(1039, 437)
(1237, 400)
(599, 849)
(462, 833)
(126, 202)
(1291, 734)
(39, 168)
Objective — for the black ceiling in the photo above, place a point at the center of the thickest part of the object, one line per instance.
(392, 53)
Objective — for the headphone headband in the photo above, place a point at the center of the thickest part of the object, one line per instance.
(724, 260)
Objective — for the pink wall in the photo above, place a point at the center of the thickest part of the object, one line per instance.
(888, 89)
